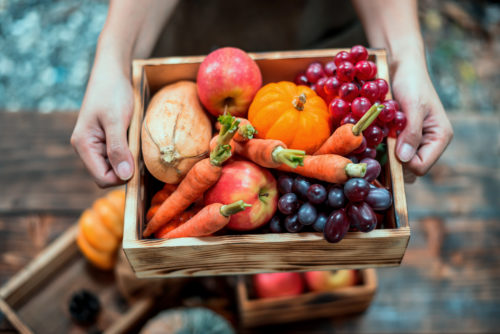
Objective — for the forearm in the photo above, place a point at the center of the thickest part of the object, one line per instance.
(393, 25)
(131, 29)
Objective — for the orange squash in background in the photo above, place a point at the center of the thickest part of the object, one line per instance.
(296, 115)
(101, 229)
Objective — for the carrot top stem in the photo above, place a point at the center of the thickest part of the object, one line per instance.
(229, 126)
(355, 170)
(289, 157)
(247, 131)
(220, 154)
(233, 208)
(367, 119)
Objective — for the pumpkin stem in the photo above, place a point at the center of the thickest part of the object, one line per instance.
(299, 102)
(355, 170)
(367, 119)
(289, 157)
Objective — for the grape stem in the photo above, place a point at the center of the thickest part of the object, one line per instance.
(355, 170)
(367, 119)
(289, 157)
(233, 208)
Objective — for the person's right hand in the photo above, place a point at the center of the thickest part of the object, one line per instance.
(100, 133)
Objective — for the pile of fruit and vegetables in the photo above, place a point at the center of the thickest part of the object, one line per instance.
(287, 156)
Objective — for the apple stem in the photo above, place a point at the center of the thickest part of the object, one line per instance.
(367, 119)
(299, 102)
(233, 208)
(355, 170)
(289, 157)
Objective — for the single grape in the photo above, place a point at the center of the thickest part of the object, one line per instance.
(316, 194)
(392, 104)
(307, 214)
(373, 169)
(346, 72)
(370, 91)
(314, 72)
(337, 226)
(363, 70)
(360, 106)
(336, 198)
(348, 119)
(361, 216)
(339, 109)
(319, 223)
(301, 79)
(356, 189)
(374, 69)
(330, 68)
(369, 152)
(361, 148)
(285, 184)
(385, 130)
(332, 86)
(288, 203)
(379, 199)
(399, 121)
(348, 91)
(354, 159)
(373, 135)
(275, 225)
(292, 224)
(383, 88)
(341, 57)
(300, 187)
(387, 114)
(320, 87)
(358, 53)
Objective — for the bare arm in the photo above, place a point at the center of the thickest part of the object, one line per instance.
(99, 136)
(393, 24)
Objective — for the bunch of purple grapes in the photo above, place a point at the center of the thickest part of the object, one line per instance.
(331, 209)
(349, 86)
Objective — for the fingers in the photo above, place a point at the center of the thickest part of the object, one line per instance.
(436, 138)
(117, 149)
(410, 138)
(92, 152)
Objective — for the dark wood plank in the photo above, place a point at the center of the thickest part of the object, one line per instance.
(39, 171)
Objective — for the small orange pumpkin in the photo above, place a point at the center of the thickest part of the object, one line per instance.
(296, 115)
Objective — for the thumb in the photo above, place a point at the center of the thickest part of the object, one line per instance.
(118, 152)
(410, 138)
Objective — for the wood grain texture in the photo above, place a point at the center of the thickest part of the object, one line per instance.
(307, 306)
(249, 253)
(37, 297)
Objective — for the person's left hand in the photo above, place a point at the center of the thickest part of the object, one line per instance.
(428, 130)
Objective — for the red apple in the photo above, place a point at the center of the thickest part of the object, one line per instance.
(330, 280)
(278, 284)
(228, 76)
(251, 183)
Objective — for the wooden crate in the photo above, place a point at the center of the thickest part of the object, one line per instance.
(307, 306)
(36, 299)
(251, 253)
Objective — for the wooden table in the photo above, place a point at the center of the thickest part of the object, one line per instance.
(449, 278)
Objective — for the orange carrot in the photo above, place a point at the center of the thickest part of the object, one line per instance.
(203, 175)
(348, 137)
(210, 219)
(269, 153)
(245, 131)
(331, 168)
(175, 222)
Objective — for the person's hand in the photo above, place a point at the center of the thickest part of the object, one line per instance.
(428, 130)
(100, 134)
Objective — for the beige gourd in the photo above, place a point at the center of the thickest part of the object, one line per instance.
(176, 132)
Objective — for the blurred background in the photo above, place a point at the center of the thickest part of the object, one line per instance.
(448, 281)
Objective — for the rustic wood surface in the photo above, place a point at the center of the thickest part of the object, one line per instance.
(448, 280)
